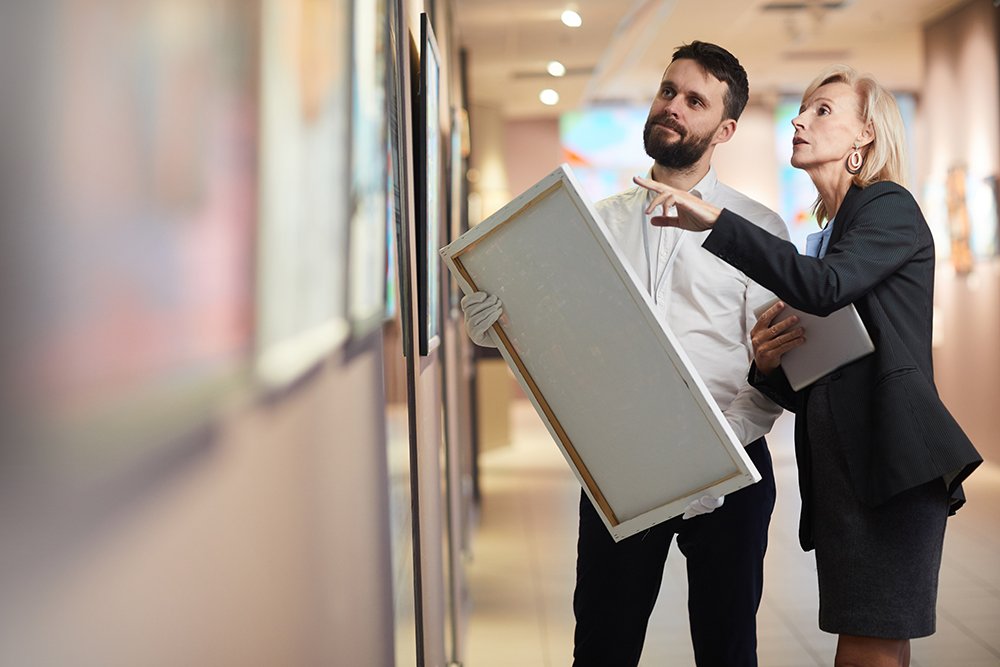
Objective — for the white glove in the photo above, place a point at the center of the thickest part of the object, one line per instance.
(481, 311)
(703, 505)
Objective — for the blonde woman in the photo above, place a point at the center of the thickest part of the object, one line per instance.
(880, 458)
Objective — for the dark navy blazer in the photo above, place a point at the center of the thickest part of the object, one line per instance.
(896, 432)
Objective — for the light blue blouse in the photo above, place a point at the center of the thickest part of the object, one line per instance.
(817, 242)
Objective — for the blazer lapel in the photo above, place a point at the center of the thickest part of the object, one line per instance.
(847, 208)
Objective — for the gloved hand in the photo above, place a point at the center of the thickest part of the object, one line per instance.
(481, 311)
(704, 505)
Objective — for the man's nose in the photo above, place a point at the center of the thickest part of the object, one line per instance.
(670, 106)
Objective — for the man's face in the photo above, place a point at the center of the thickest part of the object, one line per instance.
(684, 116)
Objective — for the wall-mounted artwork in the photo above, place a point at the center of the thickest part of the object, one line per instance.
(397, 86)
(982, 196)
(959, 228)
(369, 169)
(304, 206)
(600, 143)
(128, 247)
(430, 191)
(456, 199)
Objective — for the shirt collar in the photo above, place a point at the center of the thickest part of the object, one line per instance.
(704, 188)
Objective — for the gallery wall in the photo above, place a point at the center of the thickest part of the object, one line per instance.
(217, 446)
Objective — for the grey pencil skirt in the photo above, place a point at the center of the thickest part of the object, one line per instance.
(877, 566)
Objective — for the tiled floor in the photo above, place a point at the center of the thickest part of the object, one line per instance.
(521, 572)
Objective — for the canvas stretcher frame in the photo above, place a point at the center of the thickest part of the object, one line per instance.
(615, 390)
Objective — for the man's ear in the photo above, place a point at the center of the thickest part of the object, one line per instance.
(725, 131)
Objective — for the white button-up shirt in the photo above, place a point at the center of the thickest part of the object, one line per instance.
(706, 303)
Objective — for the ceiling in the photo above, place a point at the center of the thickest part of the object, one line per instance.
(623, 46)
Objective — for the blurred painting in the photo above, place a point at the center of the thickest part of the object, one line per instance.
(128, 181)
(304, 209)
(430, 187)
(958, 221)
(369, 169)
(600, 144)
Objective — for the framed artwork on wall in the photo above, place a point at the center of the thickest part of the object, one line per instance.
(128, 315)
(304, 190)
(397, 86)
(456, 199)
(430, 191)
(367, 280)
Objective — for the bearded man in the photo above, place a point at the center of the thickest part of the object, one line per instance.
(709, 307)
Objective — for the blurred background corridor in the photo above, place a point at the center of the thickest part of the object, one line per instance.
(240, 421)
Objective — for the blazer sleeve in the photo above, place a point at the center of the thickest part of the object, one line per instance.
(775, 386)
(876, 239)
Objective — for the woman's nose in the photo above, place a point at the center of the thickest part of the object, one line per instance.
(797, 121)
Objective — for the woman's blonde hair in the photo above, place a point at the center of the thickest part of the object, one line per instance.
(885, 156)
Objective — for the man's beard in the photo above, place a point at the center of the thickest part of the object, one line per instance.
(680, 154)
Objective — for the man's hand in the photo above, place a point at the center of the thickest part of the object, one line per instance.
(481, 310)
(690, 211)
(771, 340)
(703, 505)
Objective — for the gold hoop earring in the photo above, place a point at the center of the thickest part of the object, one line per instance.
(855, 160)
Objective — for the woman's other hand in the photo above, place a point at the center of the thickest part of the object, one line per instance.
(690, 212)
(771, 340)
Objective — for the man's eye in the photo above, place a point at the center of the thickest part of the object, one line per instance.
(695, 102)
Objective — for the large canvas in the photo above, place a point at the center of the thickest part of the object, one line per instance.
(612, 385)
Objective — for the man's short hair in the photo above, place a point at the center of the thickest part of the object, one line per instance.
(723, 66)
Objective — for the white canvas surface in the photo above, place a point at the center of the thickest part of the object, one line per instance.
(607, 378)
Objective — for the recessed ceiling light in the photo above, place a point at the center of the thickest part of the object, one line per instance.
(556, 68)
(549, 97)
(572, 19)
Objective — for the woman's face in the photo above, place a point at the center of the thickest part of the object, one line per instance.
(827, 127)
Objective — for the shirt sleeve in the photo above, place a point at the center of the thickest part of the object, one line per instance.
(751, 414)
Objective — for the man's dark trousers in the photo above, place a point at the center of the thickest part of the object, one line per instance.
(617, 583)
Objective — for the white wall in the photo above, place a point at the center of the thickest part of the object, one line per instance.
(531, 150)
(961, 92)
(268, 545)
(488, 180)
(961, 117)
(748, 161)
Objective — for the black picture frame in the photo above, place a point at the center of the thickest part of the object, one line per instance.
(397, 89)
(430, 187)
